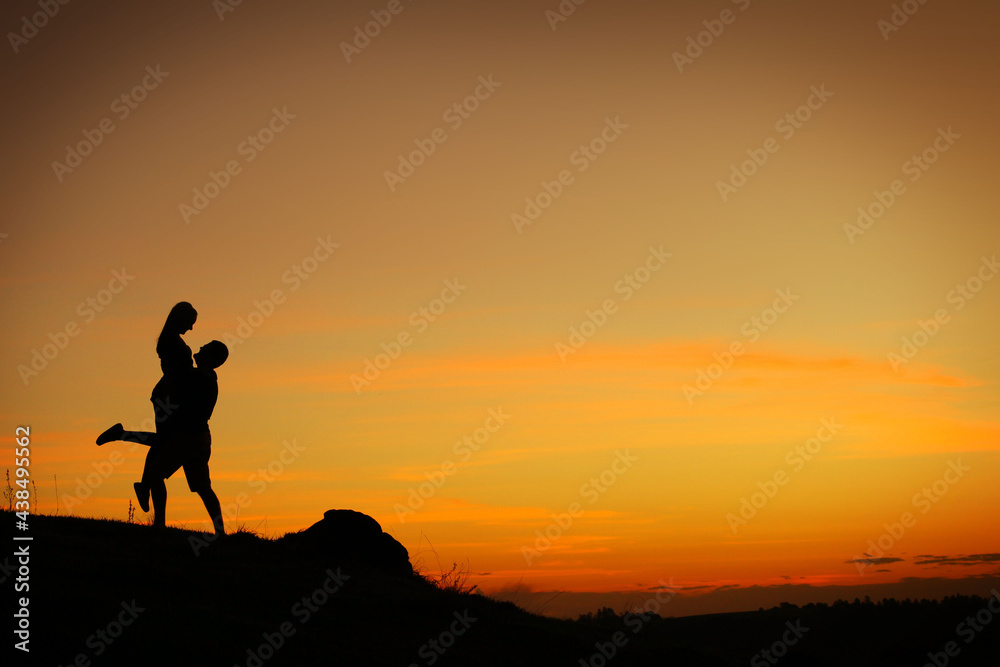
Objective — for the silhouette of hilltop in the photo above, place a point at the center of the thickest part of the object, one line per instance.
(106, 592)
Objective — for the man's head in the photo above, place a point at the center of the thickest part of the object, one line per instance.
(211, 355)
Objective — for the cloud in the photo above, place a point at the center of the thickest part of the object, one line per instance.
(874, 561)
(973, 559)
(667, 587)
(648, 364)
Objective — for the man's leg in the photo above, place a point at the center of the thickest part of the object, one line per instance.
(214, 509)
(199, 480)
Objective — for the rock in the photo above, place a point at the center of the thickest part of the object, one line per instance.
(346, 536)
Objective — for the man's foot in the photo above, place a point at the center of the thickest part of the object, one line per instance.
(142, 493)
(112, 434)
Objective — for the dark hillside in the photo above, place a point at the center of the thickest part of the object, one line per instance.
(112, 593)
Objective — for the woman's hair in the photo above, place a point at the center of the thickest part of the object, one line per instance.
(181, 318)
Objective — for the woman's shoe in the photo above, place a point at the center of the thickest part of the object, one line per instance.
(112, 434)
(142, 493)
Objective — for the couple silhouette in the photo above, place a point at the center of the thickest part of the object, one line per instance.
(183, 401)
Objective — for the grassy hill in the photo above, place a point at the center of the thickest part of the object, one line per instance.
(112, 593)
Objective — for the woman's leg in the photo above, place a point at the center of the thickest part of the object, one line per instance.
(162, 461)
(116, 433)
(143, 487)
(147, 438)
(158, 489)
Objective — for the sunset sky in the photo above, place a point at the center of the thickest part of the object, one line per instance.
(618, 277)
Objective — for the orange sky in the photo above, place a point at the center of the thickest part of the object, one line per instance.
(584, 246)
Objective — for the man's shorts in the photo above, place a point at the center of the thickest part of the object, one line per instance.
(190, 451)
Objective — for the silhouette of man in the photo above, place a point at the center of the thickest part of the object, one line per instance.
(182, 439)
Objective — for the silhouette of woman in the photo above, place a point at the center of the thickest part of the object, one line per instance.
(175, 358)
(175, 361)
